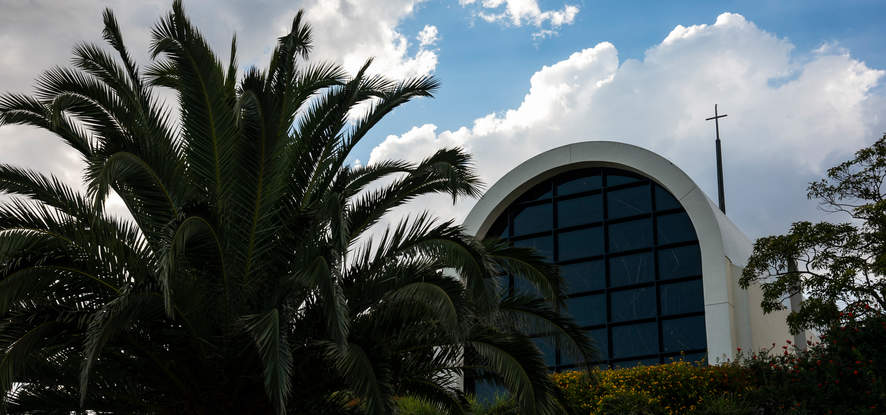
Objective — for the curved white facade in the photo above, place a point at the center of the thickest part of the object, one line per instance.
(733, 317)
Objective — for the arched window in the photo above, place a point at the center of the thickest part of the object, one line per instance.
(630, 259)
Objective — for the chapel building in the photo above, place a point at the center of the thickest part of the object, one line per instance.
(651, 264)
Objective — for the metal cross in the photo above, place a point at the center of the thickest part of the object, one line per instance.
(716, 119)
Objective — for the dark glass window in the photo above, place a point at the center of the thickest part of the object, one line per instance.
(682, 297)
(684, 261)
(635, 340)
(544, 245)
(675, 228)
(504, 285)
(522, 286)
(578, 181)
(487, 391)
(631, 269)
(617, 177)
(548, 349)
(499, 228)
(539, 192)
(533, 219)
(601, 339)
(581, 243)
(629, 258)
(664, 200)
(683, 334)
(628, 202)
(588, 310)
(580, 210)
(625, 236)
(632, 304)
(637, 362)
(584, 276)
(568, 358)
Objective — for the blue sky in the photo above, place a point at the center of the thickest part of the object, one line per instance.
(802, 81)
(486, 67)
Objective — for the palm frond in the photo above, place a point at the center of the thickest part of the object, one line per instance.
(364, 377)
(447, 171)
(271, 342)
(24, 110)
(519, 364)
(209, 126)
(245, 279)
(114, 37)
(388, 99)
(535, 315)
(48, 190)
(115, 317)
(17, 354)
(526, 264)
(319, 274)
(194, 241)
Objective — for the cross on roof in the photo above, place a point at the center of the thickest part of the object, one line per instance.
(720, 192)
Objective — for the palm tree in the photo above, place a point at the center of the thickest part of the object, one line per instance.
(248, 279)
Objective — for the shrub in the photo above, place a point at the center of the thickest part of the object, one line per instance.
(500, 405)
(409, 405)
(629, 402)
(673, 388)
(725, 405)
(843, 374)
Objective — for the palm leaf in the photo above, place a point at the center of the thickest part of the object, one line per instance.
(535, 315)
(209, 127)
(271, 342)
(519, 364)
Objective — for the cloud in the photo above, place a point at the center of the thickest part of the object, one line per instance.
(39, 34)
(524, 12)
(350, 31)
(427, 36)
(790, 116)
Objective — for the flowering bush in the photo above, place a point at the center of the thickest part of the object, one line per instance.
(845, 373)
(674, 388)
(842, 374)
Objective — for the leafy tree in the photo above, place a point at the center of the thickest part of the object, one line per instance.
(840, 268)
(247, 280)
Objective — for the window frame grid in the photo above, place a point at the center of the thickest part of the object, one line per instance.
(654, 248)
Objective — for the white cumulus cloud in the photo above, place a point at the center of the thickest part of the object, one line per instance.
(428, 35)
(524, 12)
(790, 116)
(351, 31)
(344, 31)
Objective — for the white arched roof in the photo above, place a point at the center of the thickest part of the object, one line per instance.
(722, 243)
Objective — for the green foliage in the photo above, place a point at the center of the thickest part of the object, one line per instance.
(844, 374)
(725, 405)
(409, 405)
(247, 279)
(629, 402)
(840, 268)
(674, 388)
(501, 405)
